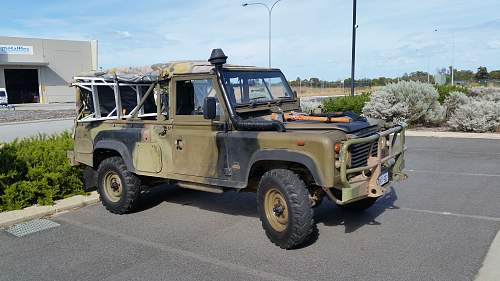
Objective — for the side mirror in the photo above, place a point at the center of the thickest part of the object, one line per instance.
(210, 108)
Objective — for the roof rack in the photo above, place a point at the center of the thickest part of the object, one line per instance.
(90, 85)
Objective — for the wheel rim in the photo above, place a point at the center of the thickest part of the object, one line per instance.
(276, 209)
(113, 186)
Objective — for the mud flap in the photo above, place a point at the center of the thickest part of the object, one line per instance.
(89, 179)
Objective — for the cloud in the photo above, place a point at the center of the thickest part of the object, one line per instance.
(307, 39)
(119, 34)
(494, 44)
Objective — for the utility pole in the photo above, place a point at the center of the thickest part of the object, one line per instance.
(353, 51)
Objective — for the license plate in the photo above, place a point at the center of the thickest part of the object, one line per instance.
(383, 178)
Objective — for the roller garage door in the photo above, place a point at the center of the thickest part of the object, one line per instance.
(22, 85)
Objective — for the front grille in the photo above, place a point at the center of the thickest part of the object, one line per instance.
(359, 152)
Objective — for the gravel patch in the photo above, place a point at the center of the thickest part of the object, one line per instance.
(30, 115)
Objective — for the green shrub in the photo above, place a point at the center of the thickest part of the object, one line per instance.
(445, 90)
(36, 171)
(347, 103)
(407, 101)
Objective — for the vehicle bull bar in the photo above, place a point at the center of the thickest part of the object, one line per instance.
(389, 158)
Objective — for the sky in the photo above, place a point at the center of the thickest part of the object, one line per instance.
(310, 38)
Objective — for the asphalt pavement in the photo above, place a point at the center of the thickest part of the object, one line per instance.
(438, 225)
(11, 131)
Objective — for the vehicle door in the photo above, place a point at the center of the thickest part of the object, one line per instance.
(197, 150)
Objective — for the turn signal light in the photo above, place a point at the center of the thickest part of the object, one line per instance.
(337, 147)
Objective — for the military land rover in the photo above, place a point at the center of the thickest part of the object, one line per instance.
(216, 127)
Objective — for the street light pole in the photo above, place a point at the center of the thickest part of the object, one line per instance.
(269, 10)
(353, 51)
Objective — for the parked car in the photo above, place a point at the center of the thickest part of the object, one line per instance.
(215, 127)
(4, 98)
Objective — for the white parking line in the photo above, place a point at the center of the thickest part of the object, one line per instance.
(452, 173)
(451, 151)
(445, 213)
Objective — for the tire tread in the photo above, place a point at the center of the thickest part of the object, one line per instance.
(131, 181)
(302, 221)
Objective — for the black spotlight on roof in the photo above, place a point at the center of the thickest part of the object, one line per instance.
(217, 57)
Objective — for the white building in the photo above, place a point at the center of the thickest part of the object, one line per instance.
(39, 70)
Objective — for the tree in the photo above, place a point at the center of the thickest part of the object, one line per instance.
(295, 83)
(381, 81)
(482, 73)
(420, 76)
(315, 82)
(463, 75)
(495, 74)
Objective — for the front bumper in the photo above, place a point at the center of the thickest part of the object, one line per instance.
(389, 157)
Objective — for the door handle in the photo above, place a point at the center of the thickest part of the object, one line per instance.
(179, 144)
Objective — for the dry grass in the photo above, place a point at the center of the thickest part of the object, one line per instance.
(311, 92)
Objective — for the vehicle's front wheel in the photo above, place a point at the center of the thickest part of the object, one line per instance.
(117, 186)
(284, 208)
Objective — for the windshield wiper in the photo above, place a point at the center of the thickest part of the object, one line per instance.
(257, 98)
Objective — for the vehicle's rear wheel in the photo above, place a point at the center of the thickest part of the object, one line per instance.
(118, 187)
(284, 208)
(360, 205)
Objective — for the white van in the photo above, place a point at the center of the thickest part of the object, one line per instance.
(4, 98)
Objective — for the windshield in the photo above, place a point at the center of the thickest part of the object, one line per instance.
(2, 94)
(248, 87)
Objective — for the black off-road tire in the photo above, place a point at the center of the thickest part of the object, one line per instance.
(131, 186)
(360, 205)
(300, 223)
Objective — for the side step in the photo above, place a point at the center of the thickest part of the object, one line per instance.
(200, 187)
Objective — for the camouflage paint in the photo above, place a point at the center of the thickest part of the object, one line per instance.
(194, 150)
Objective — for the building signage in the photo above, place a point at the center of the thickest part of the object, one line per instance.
(16, 50)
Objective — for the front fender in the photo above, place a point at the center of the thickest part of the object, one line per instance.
(288, 156)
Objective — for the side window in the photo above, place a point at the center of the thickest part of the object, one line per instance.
(190, 95)
(107, 103)
(128, 98)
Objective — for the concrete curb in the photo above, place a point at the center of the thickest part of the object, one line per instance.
(459, 135)
(34, 212)
(36, 121)
(491, 269)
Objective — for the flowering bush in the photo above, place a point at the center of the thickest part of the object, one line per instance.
(453, 101)
(476, 116)
(408, 101)
(479, 112)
